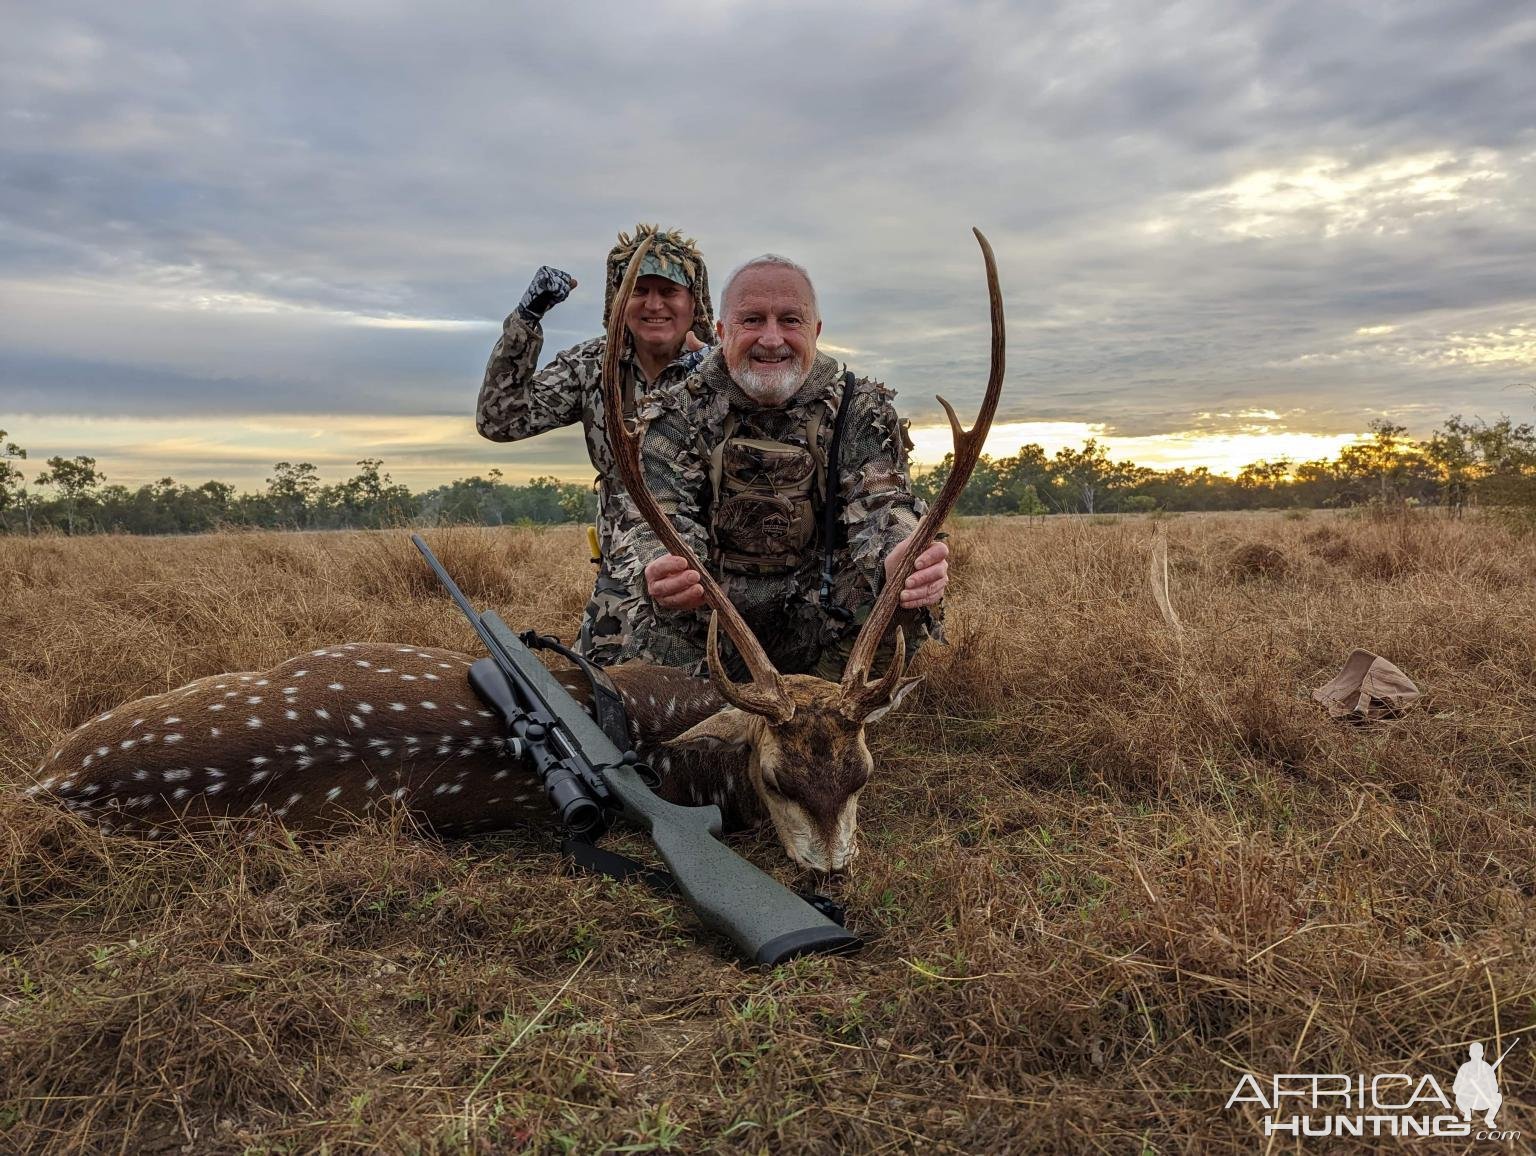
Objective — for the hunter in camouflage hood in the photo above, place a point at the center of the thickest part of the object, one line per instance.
(672, 256)
(518, 400)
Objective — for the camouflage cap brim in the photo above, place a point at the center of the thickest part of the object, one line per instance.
(663, 265)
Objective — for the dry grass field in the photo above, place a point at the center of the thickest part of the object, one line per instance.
(1103, 875)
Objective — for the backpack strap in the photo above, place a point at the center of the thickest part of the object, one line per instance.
(832, 501)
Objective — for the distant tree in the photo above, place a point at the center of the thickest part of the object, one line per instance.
(1492, 462)
(13, 483)
(290, 491)
(1388, 468)
(370, 499)
(1089, 477)
(76, 479)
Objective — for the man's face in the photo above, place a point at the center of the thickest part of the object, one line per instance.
(768, 334)
(660, 314)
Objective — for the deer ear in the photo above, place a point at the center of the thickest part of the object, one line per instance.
(902, 688)
(725, 728)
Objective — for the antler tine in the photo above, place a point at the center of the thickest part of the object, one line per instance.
(767, 695)
(856, 685)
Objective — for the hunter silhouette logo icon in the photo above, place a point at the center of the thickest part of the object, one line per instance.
(1477, 1084)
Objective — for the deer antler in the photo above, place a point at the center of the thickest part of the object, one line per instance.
(766, 695)
(860, 696)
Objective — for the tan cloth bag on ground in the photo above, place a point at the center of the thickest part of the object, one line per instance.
(1367, 689)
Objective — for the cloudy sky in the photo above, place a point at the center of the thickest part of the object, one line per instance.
(236, 233)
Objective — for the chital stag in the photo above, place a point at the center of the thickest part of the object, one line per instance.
(360, 728)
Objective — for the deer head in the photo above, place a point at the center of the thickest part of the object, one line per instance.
(804, 736)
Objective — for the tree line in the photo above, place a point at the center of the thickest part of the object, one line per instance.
(1491, 464)
(73, 496)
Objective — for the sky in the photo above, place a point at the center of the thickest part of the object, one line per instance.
(238, 233)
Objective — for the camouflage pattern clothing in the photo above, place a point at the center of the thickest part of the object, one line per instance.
(685, 423)
(518, 400)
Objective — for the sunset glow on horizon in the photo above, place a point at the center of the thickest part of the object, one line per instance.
(431, 450)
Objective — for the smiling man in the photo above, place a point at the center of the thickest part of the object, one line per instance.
(745, 456)
(668, 313)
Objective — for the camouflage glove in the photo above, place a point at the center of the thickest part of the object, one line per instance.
(548, 288)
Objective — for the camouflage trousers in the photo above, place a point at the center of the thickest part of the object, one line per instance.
(606, 622)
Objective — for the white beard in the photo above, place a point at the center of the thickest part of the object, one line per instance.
(769, 386)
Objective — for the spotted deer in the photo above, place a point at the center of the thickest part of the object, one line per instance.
(362, 728)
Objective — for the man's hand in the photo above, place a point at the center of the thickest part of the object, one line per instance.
(549, 287)
(925, 586)
(673, 584)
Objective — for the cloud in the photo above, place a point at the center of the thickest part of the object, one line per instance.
(225, 212)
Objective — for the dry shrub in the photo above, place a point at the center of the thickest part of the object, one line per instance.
(1102, 872)
(1258, 560)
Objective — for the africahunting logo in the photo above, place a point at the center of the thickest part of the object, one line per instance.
(1384, 1104)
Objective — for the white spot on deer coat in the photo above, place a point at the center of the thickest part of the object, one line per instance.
(335, 686)
(335, 792)
(253, 722)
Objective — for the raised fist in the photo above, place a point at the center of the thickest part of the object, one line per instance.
(549, 287)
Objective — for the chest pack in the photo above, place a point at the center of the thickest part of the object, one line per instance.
(766, 493)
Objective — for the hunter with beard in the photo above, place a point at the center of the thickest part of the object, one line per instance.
(667, 318)
(740, 456)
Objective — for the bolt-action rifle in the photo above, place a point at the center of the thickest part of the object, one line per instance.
(586, 777)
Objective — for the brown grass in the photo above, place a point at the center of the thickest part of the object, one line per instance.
(1102, 874)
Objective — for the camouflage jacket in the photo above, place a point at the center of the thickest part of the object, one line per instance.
(684, 422)
(518, 400)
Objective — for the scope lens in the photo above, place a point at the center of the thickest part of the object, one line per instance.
(576, 808)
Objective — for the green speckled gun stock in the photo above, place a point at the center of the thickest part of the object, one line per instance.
(767, 921)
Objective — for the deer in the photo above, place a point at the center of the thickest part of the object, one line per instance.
(364, 728)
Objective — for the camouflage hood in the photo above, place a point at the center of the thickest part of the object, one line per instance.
(676, 254)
